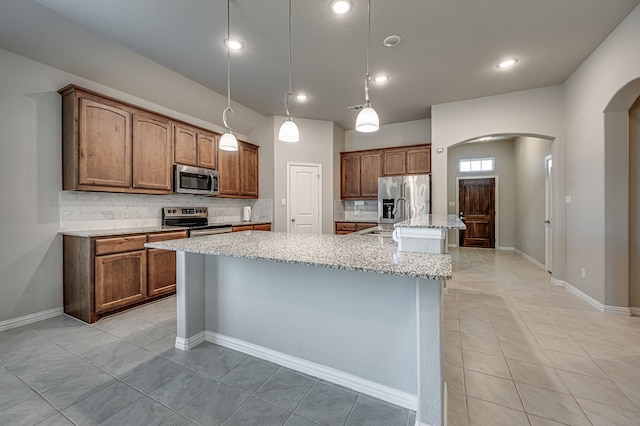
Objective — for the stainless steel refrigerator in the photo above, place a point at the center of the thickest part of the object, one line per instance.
(401, 197)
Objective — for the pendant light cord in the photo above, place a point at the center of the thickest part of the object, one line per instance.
(228, 108)
(366, 77)
(289, 93)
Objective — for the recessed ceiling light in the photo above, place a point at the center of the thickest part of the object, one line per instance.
(340, 6)
(391, 41)
(507, 63)
(382, 78)
(233, 44)
(302, 97)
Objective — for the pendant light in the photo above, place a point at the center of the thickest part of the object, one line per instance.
(289, 131)
(228, 141)
(367, 120)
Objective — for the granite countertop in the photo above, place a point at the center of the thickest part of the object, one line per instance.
(357, 220)
(145, 229)
(433, 221)
(348, 252)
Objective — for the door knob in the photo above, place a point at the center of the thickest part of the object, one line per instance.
(293, 220)
(547, 221)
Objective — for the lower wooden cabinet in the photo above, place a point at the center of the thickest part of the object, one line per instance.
(343, 228)
(259, 227)
(105, 274)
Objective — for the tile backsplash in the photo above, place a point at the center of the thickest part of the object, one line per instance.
(81, 210)
(366, 210)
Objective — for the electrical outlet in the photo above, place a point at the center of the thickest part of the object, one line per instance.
(583, 273)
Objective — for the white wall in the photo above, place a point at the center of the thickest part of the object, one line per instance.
(399, 134)
(597, 219)
(316, 146)
(531, 112)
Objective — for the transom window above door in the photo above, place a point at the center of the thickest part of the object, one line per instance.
(477, 165)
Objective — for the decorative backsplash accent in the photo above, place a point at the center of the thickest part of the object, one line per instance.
(81, 210)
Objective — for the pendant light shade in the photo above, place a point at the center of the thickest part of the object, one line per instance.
(367, 120)
(289, 130)
(228, 141)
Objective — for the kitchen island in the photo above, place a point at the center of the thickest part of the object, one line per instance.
(348, 309)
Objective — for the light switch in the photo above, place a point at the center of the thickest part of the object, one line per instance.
(452, 203)
(567, 199)
(283, 202)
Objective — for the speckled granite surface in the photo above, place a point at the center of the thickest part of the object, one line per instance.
(144, 229)
(349, 252)
(433, 221)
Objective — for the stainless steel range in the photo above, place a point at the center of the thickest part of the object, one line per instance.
(194, 218)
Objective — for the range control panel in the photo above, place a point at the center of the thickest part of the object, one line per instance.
(185, 212)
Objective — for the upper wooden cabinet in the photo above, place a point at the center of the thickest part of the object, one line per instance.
(152, 153)
(239, 171)
(114, 147)
(360, 170)
(194, 147)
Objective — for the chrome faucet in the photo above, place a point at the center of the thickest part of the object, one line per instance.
(407, 205)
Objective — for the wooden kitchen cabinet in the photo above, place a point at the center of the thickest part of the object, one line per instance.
(195, 147)
(111, 273)
(258, 227)
(343, 228)
(112, 146)
(152, 153)
(360, 170)
(239, 171)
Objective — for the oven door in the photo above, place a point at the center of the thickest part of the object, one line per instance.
(209, 230)
(196, 180)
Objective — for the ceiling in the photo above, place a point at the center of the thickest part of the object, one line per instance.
(449, 48)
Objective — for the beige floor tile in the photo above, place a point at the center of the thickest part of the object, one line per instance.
(452, 338)
(456, 409)
(540, 421)
(542, 317)
(574, 363)
(454, 376)
(523, 351)
(492, 389)
(453, 356)
(483, 413)
(547, 329)
(485, 363)
(552, 405)
(484, 344)
(605, 352)
(559, 344)
(537, 375)
(481, 328)
(606, 415)
(595, 389)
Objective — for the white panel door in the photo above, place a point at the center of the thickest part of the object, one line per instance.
(304, 199)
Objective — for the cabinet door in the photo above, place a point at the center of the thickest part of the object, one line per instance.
(419, 160)
(229, 168)
(242, 228)
(207, 150)
(161, 272)
(120, 279)
(350, 176)
(185, 142)
(370, 171)
(395, 162)
(152, 153)
(104, 157)
(248, 170)
(262, 227)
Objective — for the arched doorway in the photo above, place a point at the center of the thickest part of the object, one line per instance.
(622, 206)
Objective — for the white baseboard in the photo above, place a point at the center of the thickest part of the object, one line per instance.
(376, 390)
(609, 309)
(29, 319)
(635, 311)
(505, 248)
(530, 259)
(191, 342)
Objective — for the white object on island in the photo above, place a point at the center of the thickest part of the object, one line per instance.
(340, 308)
(425, 234)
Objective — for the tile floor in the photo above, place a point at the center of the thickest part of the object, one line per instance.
(518, 350)
(521, 351)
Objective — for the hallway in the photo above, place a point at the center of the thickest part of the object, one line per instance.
(520, 351)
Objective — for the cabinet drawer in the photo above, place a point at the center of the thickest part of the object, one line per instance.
(362, 226)
(120, 244)
(345, 226)
(242, 228)
(263, 227)
(165, 236)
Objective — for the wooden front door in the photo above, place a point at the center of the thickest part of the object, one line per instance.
(477, 210)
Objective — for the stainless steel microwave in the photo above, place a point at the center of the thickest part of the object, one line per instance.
(196, 180)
